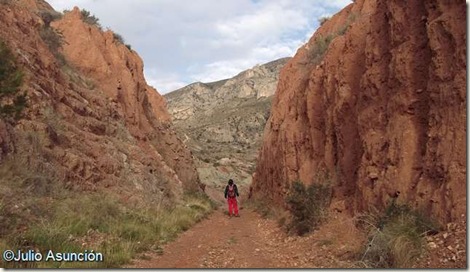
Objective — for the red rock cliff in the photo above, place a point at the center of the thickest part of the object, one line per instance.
(382, 110)
(118, 72)
(93, 122)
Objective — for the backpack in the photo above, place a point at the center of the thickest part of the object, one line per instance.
(231, 191)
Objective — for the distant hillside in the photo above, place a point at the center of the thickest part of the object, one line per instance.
(222, 122)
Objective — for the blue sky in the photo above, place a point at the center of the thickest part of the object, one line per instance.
(182, 42)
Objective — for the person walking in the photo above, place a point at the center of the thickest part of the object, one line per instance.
(231, 194)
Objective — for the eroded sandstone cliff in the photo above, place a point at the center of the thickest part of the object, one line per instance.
(376, 99)
(92, 121)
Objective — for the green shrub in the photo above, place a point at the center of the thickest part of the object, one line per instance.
(120, 39)
(90, 19)
(395, 237)
(307, 206)
(12, 102)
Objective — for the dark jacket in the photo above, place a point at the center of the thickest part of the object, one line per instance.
(234, 188)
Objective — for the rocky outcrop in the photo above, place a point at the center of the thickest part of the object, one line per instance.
(200, 98)
(376, 99)
(92, 121)
(223, 122)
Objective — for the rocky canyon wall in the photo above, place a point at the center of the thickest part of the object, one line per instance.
(377, 101)
(92, 120)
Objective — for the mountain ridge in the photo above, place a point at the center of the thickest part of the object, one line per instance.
(222, 121)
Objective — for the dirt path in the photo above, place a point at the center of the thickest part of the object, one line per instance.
(250, 241)
(216, 242)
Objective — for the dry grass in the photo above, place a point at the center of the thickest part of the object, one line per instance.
(39, 213)
(262, 208)
(395, 237)
(319, 48)
(322, 43)
(102, 223)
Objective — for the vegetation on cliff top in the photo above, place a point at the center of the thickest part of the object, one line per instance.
(90, 19)
(322, 43)
(118, 37)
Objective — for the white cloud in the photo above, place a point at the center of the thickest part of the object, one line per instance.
(266, 25)
(163, 82)
(219, 70)
(228, 68)
(206, 40)
(339, 3)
